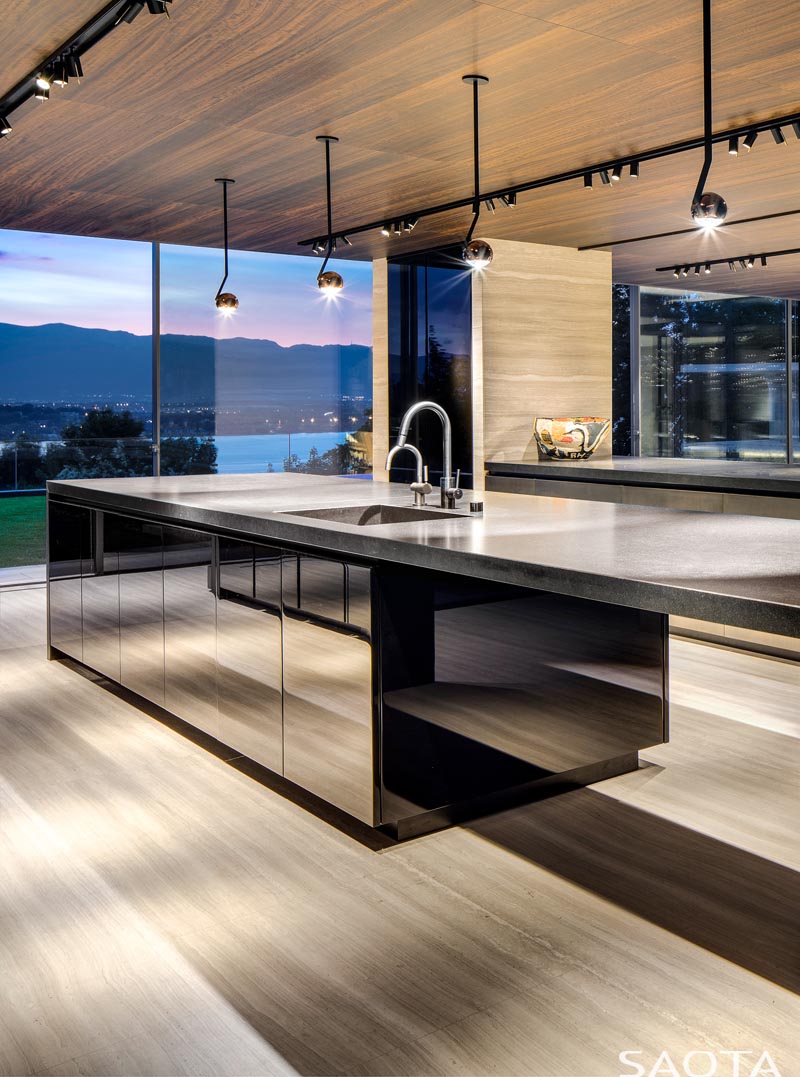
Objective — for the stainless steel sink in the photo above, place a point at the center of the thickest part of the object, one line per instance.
(364, 515)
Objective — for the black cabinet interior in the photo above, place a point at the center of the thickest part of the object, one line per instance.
(487, 687)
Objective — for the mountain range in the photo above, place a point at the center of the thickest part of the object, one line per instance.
(67, 362)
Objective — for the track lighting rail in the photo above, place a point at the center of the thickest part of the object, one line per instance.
(65, 61)
(747, 132)
(748, 261)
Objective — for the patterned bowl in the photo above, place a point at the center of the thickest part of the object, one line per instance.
(570, 439)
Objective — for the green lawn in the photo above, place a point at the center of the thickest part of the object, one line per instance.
(22, 530)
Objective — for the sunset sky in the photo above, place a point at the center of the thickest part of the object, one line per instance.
(105, 283)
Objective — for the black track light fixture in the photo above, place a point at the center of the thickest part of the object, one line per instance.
(616, 173)
(386, 230)
(131, 12)
(709, 209)
(347, 242)
(41, 93)
(489, 203)
(749, 139)
(707, 267)
(159, 7)
(763, 261)
(634, 169)
(588, 184)
(5, 126)
(329, 283)
(509, 200)
(731, 265)
(226, 302)
(778, 136)
(477, 253)
(796, 128)
(74, 66)
(411, 224)
(733, 145)
(60, 73)
(749, 261)
(604, 176)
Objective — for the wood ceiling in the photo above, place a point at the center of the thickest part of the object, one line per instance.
(241, 87)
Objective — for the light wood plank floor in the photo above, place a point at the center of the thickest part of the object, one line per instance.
(161, 913)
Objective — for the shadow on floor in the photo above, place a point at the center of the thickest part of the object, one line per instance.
(731, 902)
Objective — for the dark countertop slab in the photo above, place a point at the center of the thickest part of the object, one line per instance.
(739, 476)
(738, 570)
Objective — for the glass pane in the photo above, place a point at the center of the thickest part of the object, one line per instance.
(283, 383)
(713, 376)
(430, 357)
(75, 372)
(621, 370)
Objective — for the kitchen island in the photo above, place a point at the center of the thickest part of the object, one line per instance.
(411, 667)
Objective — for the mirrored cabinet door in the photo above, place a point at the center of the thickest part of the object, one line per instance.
(100, 600)
(141, 606)
(327, 685)
(190, 664)
(68, 543)
(249, 647)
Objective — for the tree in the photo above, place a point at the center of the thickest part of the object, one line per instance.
(21, 465)
(188, 456)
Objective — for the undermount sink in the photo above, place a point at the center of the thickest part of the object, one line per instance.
(363, 515)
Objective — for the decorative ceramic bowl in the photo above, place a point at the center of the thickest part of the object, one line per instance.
(570, 439)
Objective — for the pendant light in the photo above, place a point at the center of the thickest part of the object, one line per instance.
(225, 301)
(477, 253)
(709, 209)
(329, 283)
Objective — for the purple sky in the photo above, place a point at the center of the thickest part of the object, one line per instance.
(105, 283)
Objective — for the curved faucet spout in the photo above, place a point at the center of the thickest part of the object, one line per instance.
(447, 435)
(410, 448)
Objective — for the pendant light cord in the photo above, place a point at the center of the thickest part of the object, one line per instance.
(708, 132)
(224, 183)
(476, 160)
(327, 139)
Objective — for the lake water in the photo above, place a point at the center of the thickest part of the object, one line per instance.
(242, 453)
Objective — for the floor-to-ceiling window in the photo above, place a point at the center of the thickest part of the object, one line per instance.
(284, 383)
(75, 372)
(712, 373)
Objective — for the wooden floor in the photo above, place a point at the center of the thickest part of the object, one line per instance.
(161, 913)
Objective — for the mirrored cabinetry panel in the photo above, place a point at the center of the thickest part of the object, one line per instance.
(407, 698)
(328, 702)
(249, 645)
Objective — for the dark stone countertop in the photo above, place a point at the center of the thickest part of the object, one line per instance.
(739, 570)
(735, 476)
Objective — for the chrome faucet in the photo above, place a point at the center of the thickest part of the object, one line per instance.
(421, 487)
(450, 491)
